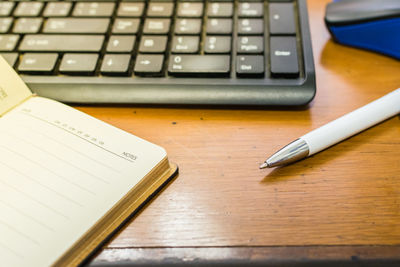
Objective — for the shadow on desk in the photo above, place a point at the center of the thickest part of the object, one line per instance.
(326, 256)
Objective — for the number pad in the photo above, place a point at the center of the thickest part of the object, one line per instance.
(219, 26)
(250, 45)
(251, 9)
(250, 40)
(218, 44)
(185, 44)
(251, 26)
(190, 9)
(188, 26)
(220, 10)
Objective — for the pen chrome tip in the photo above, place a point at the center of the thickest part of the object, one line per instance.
(264, 165)
(294, 151)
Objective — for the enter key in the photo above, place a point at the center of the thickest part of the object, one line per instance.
(283, 57)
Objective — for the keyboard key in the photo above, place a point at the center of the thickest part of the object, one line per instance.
(188, 26)
(251, 9)
(11, 58)
(76, 25)
(61, 43)
(219, 26)
(57, 9)
(34, 62)
(78, 63)
(251, 26)
(218, 44)
(121, 43)
(130, 9)
(156, 26)
(93, 9)
(27, 25)
(8, 42)
(126, 26)
(5, 8)
(185, 44)
(5, 24)
(281, 18)
(199, 65)
(283, 57)
(153, 44)
(190, 9)
(149, 65)
(250, 45)
(28, 9)
(250, 66)
(114, 64)
(159, 9)
(219, 10)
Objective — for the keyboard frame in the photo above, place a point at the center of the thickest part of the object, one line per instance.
(189, 91)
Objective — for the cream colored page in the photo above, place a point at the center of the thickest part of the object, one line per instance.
(12, 89)
(60, 171)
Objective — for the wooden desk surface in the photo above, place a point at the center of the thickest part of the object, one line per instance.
(341, 204)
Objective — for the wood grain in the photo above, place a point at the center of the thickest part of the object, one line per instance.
(346, 195)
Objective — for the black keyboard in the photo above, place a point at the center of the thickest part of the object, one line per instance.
(162, 52)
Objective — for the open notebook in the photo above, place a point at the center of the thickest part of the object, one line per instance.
(67, 180)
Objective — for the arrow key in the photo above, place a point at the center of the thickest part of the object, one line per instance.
(115, 64)
(149, 65)
(121, 43)
(78, 63)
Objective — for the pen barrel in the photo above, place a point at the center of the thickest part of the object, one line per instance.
(353, 122)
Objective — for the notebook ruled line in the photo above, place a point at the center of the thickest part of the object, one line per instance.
(55, 125)
(19, 256)
(34, 199)
(70, 148)
(27, 215)
(58, 158)
(44, 186)
(15, 230)
(44, 167)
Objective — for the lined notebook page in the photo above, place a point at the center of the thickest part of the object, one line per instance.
(61, 170)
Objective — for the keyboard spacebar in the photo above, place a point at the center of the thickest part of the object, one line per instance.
(61, 43)
(199, 65)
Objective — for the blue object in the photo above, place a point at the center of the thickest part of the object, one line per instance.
(368, 24)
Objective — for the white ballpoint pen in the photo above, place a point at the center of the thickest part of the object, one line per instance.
(337, 130)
